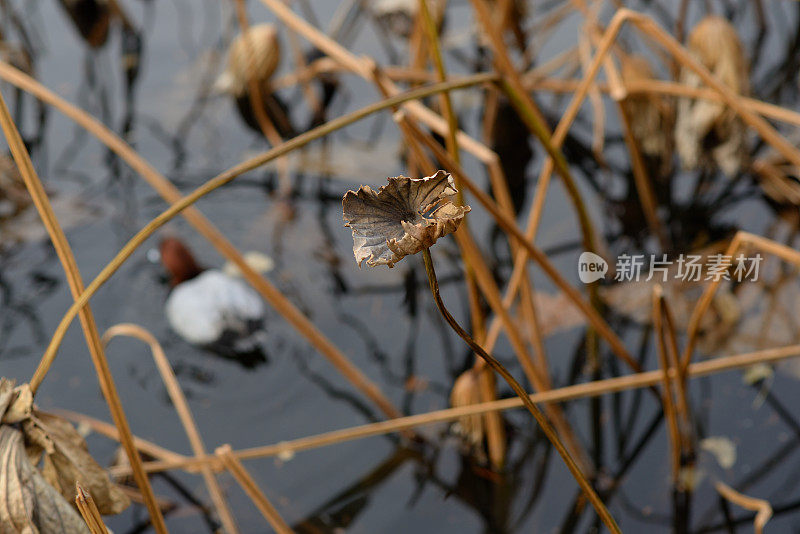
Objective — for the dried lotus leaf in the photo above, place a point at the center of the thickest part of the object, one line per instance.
(21, 405)
(402, 218)
(67, 461)
(6, 395)
(28, 504)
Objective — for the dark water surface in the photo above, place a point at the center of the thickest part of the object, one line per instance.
(384, 320)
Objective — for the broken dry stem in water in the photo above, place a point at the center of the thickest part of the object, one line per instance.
(89, 511)
(584, 484)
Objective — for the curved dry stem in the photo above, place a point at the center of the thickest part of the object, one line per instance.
(184, 413)
(760, 506)
(549, 431)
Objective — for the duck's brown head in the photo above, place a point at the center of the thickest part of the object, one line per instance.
(178, 260)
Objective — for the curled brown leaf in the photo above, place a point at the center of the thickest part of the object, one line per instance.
(402, 218)
(67, 461)
(28, 504)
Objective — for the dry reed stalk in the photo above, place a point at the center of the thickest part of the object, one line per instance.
(760, 506)
(542, 72)
(361, 66)
(739, 240)
(493, 422)
(435, 54)
(71, 272)
(530, 317)
(679, 380)
(89, 512)
(501, 192)
(667, 390)
(256, 97)
(326, 65)
(510, 227)
(235, 468)
(184, 413)
(277, 299)
(417, 51)
(579, 391)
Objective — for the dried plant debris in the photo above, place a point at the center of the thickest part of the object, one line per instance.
(402, 218)
(556, 313)
(708, 132)
(258, 261)
(722, 448)
(28, 503)
(466, 392)
(43, 494)
(66, 460)
(252, 57)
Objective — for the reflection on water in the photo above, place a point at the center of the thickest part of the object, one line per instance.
(147, 70)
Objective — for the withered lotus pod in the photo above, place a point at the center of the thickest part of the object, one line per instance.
(708, 132)
(252, 56)
(404, 217)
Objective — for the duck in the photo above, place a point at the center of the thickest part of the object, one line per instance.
(253, 57)
(708, 133)
(212, 309)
